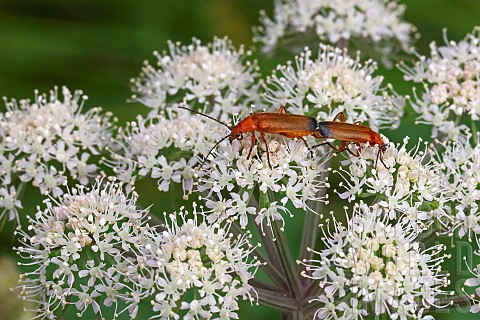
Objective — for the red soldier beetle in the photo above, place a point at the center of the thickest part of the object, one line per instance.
(286, 124)
(300, 126)
(350, 132)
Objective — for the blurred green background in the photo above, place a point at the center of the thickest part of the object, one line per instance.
(97, 46)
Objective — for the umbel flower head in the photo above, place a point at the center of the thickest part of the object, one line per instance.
(450, 78)
(167, 150)
(371, 267)
(333, 82)
(375, 23)
(48, 141)
(195, 270)
(297, 177)
(214, 77)
(410, 187)
(77, 251)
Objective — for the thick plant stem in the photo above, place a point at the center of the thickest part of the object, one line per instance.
(309, 239)
(267, 239)
(475, 133)
(257, 284)
(288, 264)
(298, 315)
(276, 300)
(291, 299)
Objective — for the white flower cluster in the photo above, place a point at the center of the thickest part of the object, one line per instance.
(376, 22)
(296, 177)
(450, 77)
(333, 83)
(47, 141)
(196, 270)
(373, 267)
(460, 164)
(79, 252)
(214, 76)
(166, 150)
(410, 188)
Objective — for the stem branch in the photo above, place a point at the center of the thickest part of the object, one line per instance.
(276, 300)
(288, 264)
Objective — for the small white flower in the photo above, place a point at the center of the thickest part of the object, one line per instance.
(49, 180)
(62, 155)
(269, 214)
(398, 281)
(164, 172)
(6, 168)
(83, 233)
(81, 169)
(29, 168)
(9, 203)
(331, 83)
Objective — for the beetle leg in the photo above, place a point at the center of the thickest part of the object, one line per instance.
(341, 115)
(380, 156)
(262, 136)
(358, 123)
(324, 143)
(282, 109)
(381, 160)
(251, 147)
(358, 149)
(306, 145)
(342, 148)
(357, 153)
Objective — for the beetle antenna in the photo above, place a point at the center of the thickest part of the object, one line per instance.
(211, 150)
(203, 114)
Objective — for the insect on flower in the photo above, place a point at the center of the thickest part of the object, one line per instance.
(300, 126)
(354, 133)
(283, 123)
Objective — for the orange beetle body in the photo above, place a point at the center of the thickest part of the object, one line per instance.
(285, 124)
(282, 123)
(349, 132)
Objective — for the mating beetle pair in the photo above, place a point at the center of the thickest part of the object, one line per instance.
(300, 126)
